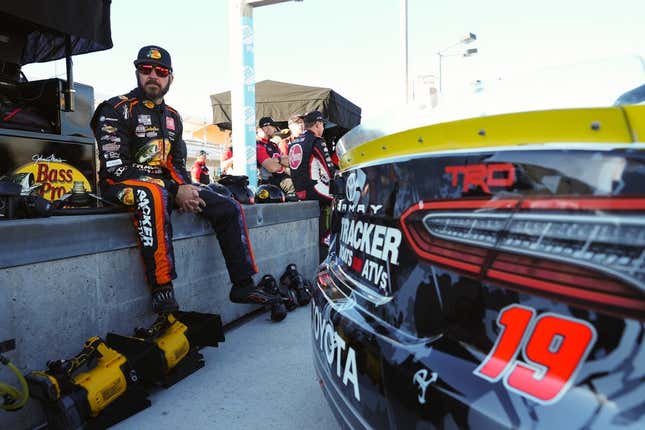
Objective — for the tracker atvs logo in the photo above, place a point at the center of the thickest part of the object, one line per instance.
(369, 249)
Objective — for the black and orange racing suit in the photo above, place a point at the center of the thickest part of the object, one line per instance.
(142, 163)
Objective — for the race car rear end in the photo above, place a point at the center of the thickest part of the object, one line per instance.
(488, 273)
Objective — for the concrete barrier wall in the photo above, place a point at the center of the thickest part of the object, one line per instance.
(65, 279)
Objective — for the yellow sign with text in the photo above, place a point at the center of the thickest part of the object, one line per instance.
(57, 178)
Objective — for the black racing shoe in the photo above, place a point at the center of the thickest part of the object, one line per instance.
(247, 292)
(278, 311)
(293, 281)
(163, 300)
(269, 284)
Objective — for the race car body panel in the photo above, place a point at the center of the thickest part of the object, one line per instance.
(488, 280)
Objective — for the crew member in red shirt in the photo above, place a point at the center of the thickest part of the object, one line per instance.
(199, 172)
(273, 166)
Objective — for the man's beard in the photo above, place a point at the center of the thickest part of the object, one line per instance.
(154, 92)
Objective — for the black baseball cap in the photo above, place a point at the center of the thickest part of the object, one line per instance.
(202, 152)
(313, 116)
(267, 120)
(154, 55)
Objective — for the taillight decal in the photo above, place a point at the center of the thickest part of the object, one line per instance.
(622, 204)
(574, 292)
(554, 347)
(552, 246)
(432, 249)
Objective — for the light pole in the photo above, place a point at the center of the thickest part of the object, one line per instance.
(404, 48)
(469, 38)
(243, 85)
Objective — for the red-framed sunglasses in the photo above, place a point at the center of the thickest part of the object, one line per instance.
(146, 69)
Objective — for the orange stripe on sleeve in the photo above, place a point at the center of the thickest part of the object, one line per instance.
(173, 172)
(133, 104)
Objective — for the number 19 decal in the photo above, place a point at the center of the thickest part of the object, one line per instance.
(553, 347)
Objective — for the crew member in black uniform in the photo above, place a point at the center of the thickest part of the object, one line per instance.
(310, 171)
(143, 166)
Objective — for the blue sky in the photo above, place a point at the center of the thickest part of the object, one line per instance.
(353, 46)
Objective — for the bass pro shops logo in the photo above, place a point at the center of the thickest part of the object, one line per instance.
(154, 54)
(56, 178)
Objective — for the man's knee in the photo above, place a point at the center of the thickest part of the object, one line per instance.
(219, 205)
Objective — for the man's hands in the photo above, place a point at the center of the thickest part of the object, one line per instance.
(275, 165)
(188, 199)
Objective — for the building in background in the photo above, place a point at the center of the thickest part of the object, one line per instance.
(199, 135)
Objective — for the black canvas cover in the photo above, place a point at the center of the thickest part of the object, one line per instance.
(34, 31)
(280, 100)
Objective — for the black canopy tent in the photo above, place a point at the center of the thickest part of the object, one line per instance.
(42, 117)
(36, 30)
(280, 100)
(33, 31)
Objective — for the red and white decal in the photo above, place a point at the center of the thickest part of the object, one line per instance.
(170, 123)
(553, 350)
(295, 156)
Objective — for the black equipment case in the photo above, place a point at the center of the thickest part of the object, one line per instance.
(44, 125)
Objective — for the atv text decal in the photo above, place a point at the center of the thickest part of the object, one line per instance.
(377, 241)
(483, 175)
(553, 347)
(333, 346)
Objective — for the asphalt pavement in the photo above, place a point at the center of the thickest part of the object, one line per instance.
(262, 376)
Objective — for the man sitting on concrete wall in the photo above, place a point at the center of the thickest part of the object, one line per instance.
(143, 166)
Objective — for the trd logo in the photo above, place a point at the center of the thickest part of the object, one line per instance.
(482, 175)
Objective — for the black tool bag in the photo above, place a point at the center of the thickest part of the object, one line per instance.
(239, 187)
